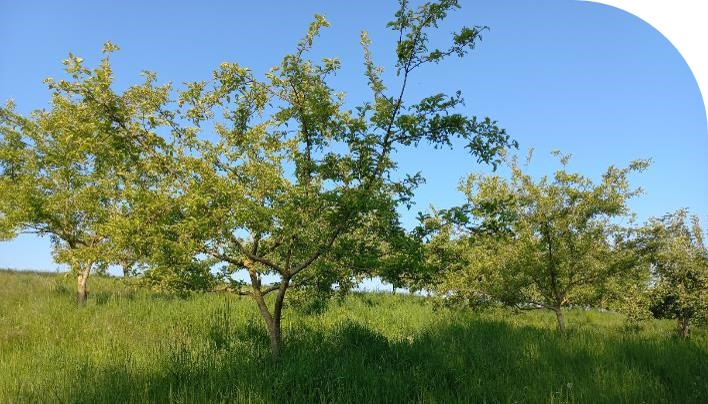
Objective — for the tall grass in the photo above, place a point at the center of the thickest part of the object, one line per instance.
(134, 346)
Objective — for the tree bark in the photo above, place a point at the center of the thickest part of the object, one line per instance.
(81, 279)
(276, 340)
(559, 316)
(684, 329)
(273, 320)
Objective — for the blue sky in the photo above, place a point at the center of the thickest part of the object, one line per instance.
(584, 78)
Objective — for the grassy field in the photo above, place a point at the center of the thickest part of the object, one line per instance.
(133, 346)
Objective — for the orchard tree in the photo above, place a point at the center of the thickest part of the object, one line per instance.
(545, 243)
(66, 170)
(7, 175)
(678, 260)
(278, 178)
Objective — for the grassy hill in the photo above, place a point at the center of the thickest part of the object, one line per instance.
(130, 345)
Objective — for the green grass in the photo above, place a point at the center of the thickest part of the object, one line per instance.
(129, 345)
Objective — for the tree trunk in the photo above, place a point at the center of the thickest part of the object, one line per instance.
(684, 329)
(559, 316)
(273, 320)
(81, 279)
(276, 339)
(126, 271)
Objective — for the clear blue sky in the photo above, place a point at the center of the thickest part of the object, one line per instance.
(581, 77)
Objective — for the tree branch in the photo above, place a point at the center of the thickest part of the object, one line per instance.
(319, 251)
(254, 257)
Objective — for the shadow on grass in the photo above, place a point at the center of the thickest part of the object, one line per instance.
(477, 361)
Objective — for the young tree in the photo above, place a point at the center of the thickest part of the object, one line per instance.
(545, 243)
(678, 261)
(293, 175)
(66, 170)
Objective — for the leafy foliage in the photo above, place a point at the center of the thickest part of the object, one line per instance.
(678, 261)
(65, 171)
(275, 176)
(545, 243)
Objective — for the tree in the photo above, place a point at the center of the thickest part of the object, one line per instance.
(7, 228)
(66, 171)
(277, 177)
(678, 261)
(545, 243)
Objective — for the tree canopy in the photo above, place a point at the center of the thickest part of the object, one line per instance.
(276, 176)
(678, 266)
(545, 243)
(66, 171)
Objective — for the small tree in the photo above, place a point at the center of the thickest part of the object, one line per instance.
(65, 171)
(678, 261)
(293, 176)
(545, 243)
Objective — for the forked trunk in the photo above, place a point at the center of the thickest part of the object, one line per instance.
(81, 279)
(559, 316)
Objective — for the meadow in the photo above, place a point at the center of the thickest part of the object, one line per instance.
(131, 345)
